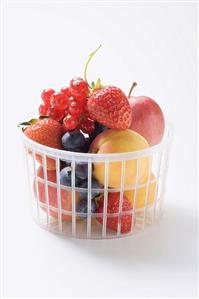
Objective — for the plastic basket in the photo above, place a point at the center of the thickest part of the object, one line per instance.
(54, 206)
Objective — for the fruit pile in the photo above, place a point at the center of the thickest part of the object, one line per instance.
(98, 119)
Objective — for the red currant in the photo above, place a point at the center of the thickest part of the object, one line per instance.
(75, 108)
(43, 108)
(66, 112)
(82, 102)
(46, 95)
(79, 87)
(66, 90)
(86, 114)
(70, 122)
(55, 114)
(81, 97)
(59, 101)
(87, 126)
(71, 99)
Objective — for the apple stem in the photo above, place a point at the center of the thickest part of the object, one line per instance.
(87, 63)
(131, 89)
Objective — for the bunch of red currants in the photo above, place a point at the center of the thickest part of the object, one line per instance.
(69, 106)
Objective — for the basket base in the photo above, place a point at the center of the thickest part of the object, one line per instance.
(143, 219)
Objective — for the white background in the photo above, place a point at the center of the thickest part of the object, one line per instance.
(45, 45)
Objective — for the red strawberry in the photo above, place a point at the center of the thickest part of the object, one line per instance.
(113, 207)
(66, 195)
(110, 107)
(47, 132)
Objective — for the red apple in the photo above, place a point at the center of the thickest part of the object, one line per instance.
(147, 118)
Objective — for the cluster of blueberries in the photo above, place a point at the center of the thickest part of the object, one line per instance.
(76, 141)
(81, 181)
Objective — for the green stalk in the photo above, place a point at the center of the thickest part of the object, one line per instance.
(87, 63)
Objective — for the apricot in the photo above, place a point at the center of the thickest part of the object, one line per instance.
(114, 141)
(141, 193)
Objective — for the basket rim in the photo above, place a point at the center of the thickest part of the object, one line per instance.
(106, 156)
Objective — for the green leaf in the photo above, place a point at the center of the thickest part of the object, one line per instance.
(98, 84)
(28, 123)
(93, 85)
(42, 116)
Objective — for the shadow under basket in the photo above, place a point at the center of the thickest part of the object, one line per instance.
(137, 177)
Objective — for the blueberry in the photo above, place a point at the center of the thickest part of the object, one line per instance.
(65, 177)
(83, 208)
(88, 142)
(75, 141)
(81, 170)
(85, 148)
(94, 185)
(99, 128)
(67, 163)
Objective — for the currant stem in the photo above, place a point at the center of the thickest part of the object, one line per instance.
(131, 89)
(87, 63)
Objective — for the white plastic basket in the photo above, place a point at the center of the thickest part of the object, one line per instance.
(54, 215)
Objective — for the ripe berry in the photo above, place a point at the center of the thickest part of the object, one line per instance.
(79, 87)
(98, 129)
(70, 122)
(55, 114)
(82, 208)
(87, 126)
(66, 112)
(94, 185)
(82, 102)
(71, 99)
(65, 177)
(47, 132)
(86, 114)
(66, 90)
(81, 170)
(110, 107)
(43, 108)
(46, 95)
(75, 108)
(113, 208)
(75, 141)
(59, 101)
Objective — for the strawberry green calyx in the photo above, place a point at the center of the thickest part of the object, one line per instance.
(86, 67)
(134, 84)
(32, 121)
(97, 85)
